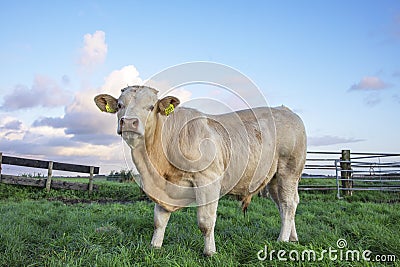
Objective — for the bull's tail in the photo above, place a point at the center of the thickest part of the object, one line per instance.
(245, 203)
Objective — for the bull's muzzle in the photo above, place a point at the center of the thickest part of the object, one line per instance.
(129, 125)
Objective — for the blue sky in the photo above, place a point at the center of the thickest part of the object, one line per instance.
(336, 63)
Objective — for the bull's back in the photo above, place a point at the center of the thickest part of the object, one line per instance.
(287, 127)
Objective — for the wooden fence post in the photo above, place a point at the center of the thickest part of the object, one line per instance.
(345, 165)
(1, 159)
(91, 179)
(49, 176)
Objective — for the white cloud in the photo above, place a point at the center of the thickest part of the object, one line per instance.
(44, 92)
(45, 142)
(47, 132)
(327, 140)
(85, 150)
(119, 79)
(370, 83)
(83, 134)
(83, 120)
(372, 99)
(66, 80)
(11, 128)
(94, 49)
(12, 125)
(182, 94)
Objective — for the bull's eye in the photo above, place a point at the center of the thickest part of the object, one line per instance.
(150, 108)
(120, 106)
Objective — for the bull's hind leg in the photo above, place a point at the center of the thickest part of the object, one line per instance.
(283, 190)
(206, 217)
(293, 232)
(207, 196)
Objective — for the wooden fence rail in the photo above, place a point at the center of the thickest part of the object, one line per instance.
(50, 166)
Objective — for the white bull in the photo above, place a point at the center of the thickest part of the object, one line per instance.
(185, 157)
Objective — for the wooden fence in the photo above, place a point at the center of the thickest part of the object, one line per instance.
(340, 171)
(50, 166)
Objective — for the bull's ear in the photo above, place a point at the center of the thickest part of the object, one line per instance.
(106, 103)
(167, 105)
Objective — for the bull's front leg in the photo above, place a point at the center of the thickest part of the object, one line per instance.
(161, 217)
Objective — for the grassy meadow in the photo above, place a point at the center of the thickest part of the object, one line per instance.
(113, 227)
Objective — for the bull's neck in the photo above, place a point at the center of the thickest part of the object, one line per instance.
(143, 156)
(153, 136)
(149, 158)
(147, 153)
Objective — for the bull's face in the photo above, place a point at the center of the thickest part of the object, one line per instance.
(133, 108)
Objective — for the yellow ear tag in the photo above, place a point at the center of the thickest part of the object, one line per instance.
(109, 109)
(169, 109)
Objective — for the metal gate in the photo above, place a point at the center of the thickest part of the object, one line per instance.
(346, 172)
(368, 172)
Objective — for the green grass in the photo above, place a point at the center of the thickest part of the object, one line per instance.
(328, 181)
(37, 232)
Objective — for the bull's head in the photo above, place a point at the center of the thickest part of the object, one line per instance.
(133, 108)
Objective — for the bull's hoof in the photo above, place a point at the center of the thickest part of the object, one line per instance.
(290, 240)
(155, 247)
(209, 253)
(282, 240)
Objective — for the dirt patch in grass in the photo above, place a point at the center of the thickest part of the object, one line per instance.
(391, 201)
(74, 201)
(379, 201)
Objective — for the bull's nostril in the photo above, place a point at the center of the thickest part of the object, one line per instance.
(129, 124)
